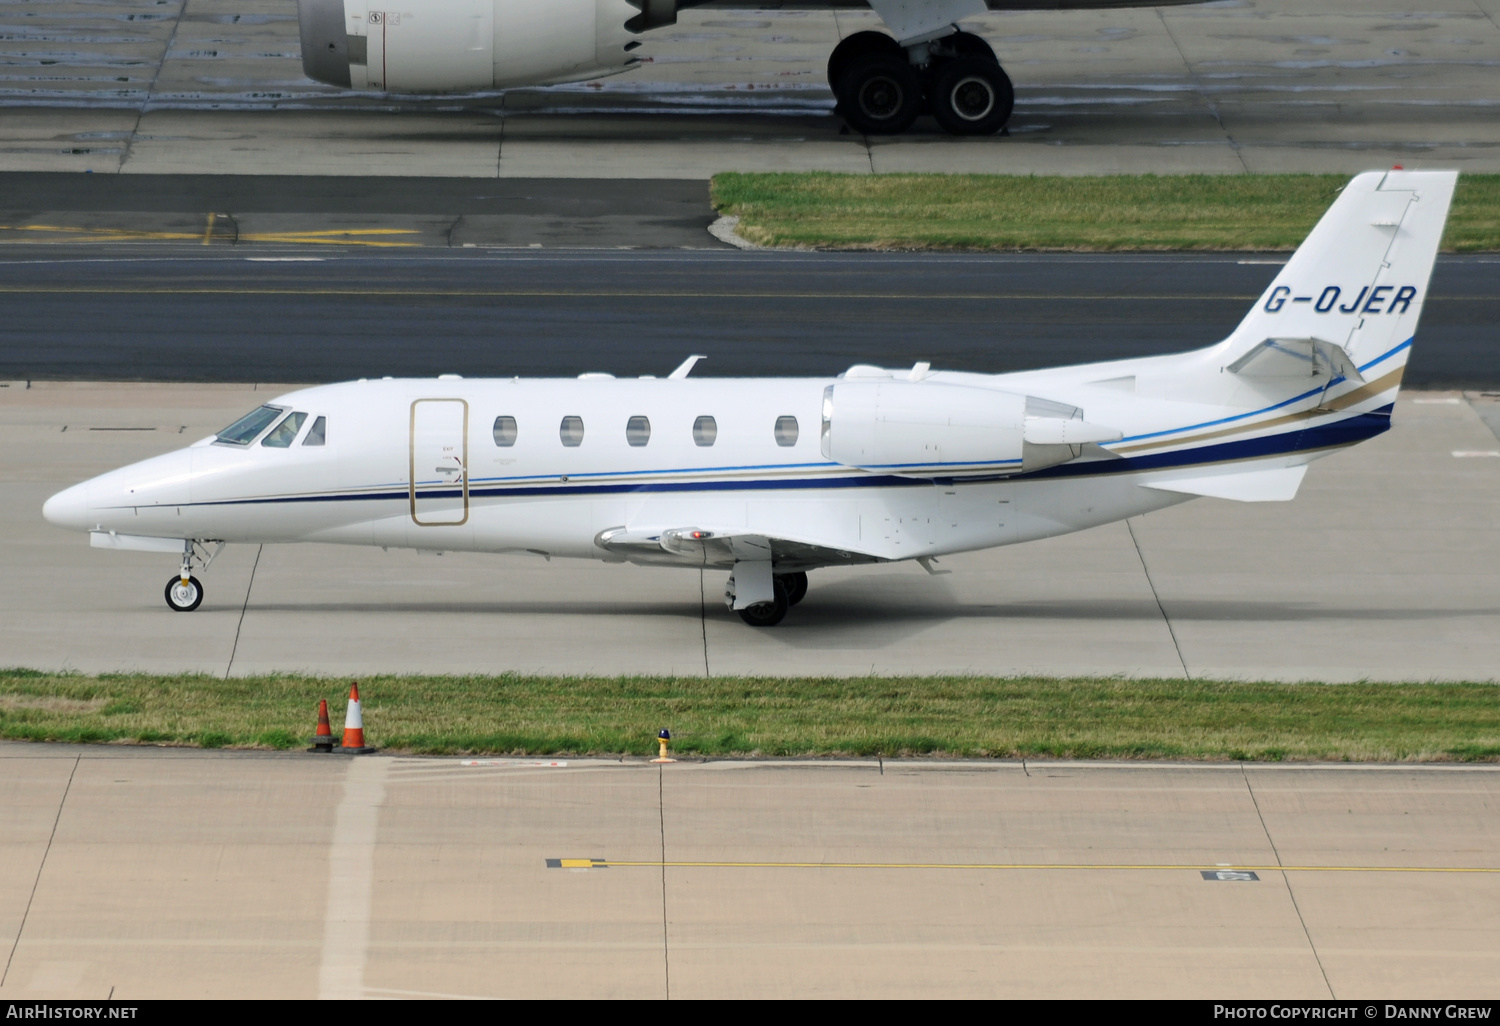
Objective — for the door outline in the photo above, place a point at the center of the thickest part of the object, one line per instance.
(411, 455)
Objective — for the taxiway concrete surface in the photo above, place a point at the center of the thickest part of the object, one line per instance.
(299, 314)
(1382, 568)
(1259, 85)
(184, 874)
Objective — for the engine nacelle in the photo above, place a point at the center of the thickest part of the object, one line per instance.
(927, 429)
(446, 46)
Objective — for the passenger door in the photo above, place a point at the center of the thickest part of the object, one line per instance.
(439, 464)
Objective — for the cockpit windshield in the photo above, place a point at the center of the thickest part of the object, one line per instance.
(282, 435)
(244, 430)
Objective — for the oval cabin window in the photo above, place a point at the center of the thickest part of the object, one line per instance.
(637, 431)
(571, 431)
(786, 431)
(705, 430)
(505, 431)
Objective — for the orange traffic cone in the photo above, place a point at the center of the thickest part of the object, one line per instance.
(354, 726)
(323, 738)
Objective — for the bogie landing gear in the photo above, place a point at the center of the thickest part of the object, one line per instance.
(882, 87)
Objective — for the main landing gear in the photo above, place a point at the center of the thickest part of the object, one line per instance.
(184, 591)
(789, 590)
(882, 86)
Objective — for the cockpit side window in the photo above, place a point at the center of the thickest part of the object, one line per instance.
(244, 430)
(283, 434)
(318, 433)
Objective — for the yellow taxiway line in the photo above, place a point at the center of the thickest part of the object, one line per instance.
(1195, 867)
(333, 236)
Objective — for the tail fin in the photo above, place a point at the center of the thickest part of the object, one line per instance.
(1350, 297)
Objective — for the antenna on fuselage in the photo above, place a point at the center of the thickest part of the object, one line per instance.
(685, 367)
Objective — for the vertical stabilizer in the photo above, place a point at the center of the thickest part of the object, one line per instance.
(1359, 279)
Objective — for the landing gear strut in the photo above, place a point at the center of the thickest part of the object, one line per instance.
(184, 591)
(882, 86)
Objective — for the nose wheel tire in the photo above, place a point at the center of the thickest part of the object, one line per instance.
(879, 94)
(767, 614)
(972, 96)
(184, 597)
(796, 586)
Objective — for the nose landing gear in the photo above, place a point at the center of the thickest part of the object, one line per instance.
(184, 591)
(184, 594)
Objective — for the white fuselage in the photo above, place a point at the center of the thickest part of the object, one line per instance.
(415, 463)
(775, 476)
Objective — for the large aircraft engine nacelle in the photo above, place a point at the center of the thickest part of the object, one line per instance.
(926, 429)
(447, 46)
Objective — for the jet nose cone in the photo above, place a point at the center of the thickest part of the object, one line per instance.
(69, 508)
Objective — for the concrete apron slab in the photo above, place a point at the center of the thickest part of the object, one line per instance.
(1383, 568)
(199, 874)
(1263, 85)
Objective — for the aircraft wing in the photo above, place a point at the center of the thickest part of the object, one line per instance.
(702, 546)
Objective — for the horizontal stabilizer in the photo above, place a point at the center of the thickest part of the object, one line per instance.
(1275, 485)
(1297, 358)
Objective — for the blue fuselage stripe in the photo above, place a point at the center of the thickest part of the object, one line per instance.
(1340, 433)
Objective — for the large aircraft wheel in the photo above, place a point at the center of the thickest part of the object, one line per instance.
(856, 47)
(767, 614)
(967, 44)
(971, 96)
(880, 95)
(796, 586)
(184, 596)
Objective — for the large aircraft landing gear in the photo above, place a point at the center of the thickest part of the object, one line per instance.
(971, 96)
(768, 614)
(882, 87)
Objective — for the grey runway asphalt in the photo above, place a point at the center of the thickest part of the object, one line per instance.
(174, 313)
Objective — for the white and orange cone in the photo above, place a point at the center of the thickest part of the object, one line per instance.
(354, 725)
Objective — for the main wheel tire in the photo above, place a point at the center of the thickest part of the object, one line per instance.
(184, 598)
(971, 96)
(852, 48)
(880, 95)
(767, 614)
(796, 586)
(967, 44)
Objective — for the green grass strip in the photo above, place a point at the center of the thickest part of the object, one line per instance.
(958, 716)
(1030, 212)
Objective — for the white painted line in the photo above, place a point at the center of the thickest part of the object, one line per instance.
(351, 880)
(1436, 402)
(1468, 454)
(507, 763)
(1261, 263)
(286, 260)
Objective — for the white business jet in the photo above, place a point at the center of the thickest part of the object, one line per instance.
(924, 61)
(770, 478)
